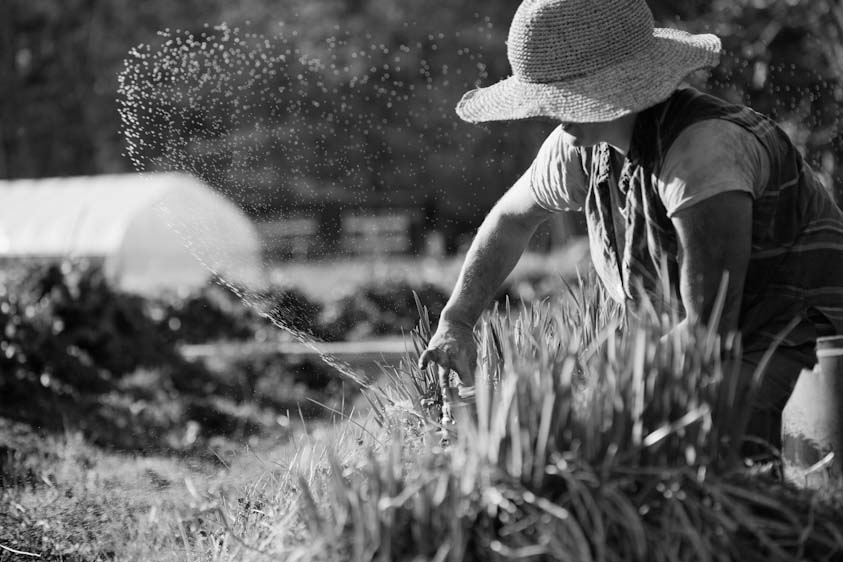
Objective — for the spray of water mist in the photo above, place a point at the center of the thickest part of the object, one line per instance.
(258, 303)
(263, 121)
(275, 121)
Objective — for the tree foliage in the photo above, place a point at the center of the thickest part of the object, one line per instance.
(363, 105)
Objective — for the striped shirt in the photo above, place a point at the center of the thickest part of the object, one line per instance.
(796, 261)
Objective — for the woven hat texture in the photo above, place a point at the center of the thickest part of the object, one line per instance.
(587, 61)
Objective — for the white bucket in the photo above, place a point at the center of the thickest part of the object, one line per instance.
(812, 423)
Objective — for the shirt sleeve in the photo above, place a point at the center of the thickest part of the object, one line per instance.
(708, 158)
(557, 176)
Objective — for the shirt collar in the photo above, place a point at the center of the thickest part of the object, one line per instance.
(643, 146)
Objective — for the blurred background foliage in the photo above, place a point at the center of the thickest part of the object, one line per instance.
(396, 69)
(75, 351)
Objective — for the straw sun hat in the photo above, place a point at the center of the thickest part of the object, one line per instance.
(587, 61)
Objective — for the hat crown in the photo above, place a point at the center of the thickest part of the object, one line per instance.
(555, 40)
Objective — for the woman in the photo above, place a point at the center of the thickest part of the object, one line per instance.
(673, 182)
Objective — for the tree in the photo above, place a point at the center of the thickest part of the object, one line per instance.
(358, 103)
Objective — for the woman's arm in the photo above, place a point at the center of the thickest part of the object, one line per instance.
(715, 237)
(496, 248)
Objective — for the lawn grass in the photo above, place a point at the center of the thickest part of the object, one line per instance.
(62, 498)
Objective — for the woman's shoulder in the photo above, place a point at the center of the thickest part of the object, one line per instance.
(710, 157)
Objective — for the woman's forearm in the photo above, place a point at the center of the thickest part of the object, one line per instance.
(496, 249)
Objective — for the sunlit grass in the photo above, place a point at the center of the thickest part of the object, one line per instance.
(591, 439)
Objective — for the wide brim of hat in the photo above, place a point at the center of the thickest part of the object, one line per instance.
(634, 84)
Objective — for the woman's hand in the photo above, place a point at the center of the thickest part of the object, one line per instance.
(452, 348)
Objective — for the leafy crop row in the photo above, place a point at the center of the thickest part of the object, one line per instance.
(592, 438)
(75, 352)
